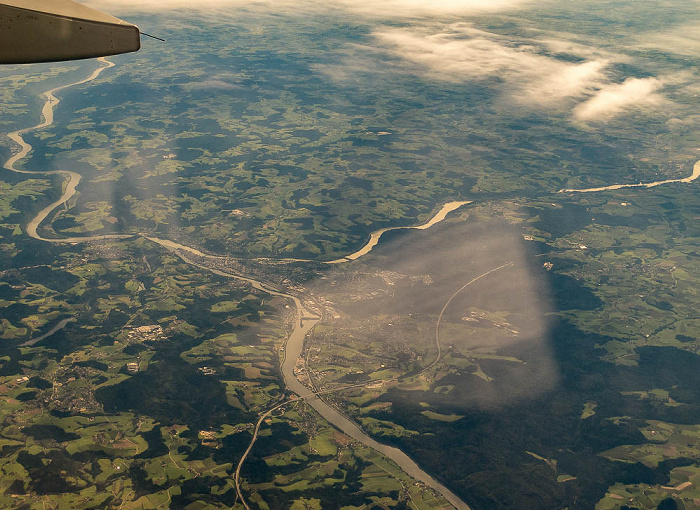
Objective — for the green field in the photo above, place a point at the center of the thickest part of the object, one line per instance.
(536, 349)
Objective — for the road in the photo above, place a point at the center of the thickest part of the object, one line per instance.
(292, 351)
(295, 342)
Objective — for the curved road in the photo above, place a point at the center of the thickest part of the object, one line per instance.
(295, 342)
(438, 345)
(292, 352)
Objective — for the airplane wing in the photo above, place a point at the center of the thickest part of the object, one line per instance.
(55, 30)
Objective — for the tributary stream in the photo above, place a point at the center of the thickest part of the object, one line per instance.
(306, 320)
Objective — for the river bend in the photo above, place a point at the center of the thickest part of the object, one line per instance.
(307, 319)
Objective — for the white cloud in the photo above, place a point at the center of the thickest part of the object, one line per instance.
(563, 81)
(206, 8)
(393, 8)
(683, 40)
(564, 43)
(611, 100)
(540, 71)
(373, 8)
(462, 53)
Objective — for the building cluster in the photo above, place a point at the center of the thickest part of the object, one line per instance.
(207, 370)
(68, 393)
(141, 334)
(302, 374)
(209, 438)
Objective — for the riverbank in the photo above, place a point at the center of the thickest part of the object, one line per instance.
(53, 330)
(693, 176)
(292, 351)
(72, 179)
(377, 234)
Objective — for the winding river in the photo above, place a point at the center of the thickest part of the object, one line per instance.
(691, 178)
(295, 342)
(72, 178)
(306, 319)
(377, 234)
